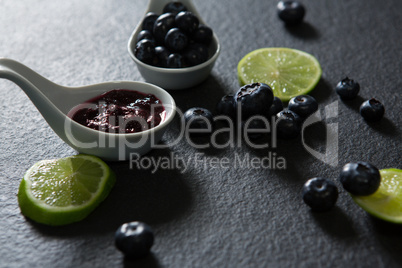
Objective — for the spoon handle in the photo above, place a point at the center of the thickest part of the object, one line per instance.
(28, 80)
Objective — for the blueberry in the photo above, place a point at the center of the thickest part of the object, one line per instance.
(291, 12)
(372, 110)
(195, 54)
(320, 194)
(347, 89)
(162, 25)
(175, 60)
(149, 21)
(254, 99)
(360, 178)
(145, 51)
(256, 128)
(162, 53)
(275, 108)
(176, 40)
(226, 106)
(145, 34)
(303, 105)
(203, 34)
(200, 119)
(187, 21)
(134, 239)
(288, 124)
(174, 7)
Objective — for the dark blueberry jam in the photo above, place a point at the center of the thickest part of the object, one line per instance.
(120, 111)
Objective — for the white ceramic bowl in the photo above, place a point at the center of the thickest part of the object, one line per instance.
(174, 78)
(55, 102)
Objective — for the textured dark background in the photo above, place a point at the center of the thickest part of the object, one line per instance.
(203, 217)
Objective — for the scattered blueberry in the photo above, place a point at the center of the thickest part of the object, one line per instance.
(291, 12)
(360, 178)
(303, 105)
(226, 106)
(175, 60)
(145, 51)
(149, 21)
(203, 34)
(347, 89)
(199, 118)
(372, 110)
(162, 25)
(276, 107)
(176, 40)
(174, 7)
(134, 239)
(187, 21)
(162, 53)
(288, 124)
(320, 194)
(145, 34)
(254, 99)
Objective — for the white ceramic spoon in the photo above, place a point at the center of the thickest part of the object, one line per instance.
(54, 102)
(174, 78)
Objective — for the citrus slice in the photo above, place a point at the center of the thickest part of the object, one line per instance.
(65, 190)
(386, 202)
(289, 72)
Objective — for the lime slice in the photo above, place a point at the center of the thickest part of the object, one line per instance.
(386, 202)
(66, 190)
(289, 72)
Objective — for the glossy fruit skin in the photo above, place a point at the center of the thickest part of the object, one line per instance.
(162, 54)
(187, 22)
(303, 105)
(134, 239)
(198, 118)
(176, 40)
(162, 25)
(149, 21)
(226, 106)
(145, 51)
(174, 7)
(320, 194)
(360, 178)
(347, 89)
(145, 34)
(276, 107)
(203, 34)
(175, 60)
(288, 124)
(291, 12)
(254, 99)
(372, 110)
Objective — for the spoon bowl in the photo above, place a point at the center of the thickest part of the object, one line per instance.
(174, 78)
(54, 102)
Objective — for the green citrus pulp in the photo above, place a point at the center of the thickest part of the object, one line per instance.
(289, 72)
(386, 202)
(66, 190)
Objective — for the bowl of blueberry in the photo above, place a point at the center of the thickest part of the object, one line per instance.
(172, 46)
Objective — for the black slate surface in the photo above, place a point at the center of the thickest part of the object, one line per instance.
(207, 217)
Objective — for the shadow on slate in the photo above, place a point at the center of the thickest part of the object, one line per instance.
(138, 195)
(149, 261)
(304, 30)
(336, 223)
(389, 235)
(322, 91)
